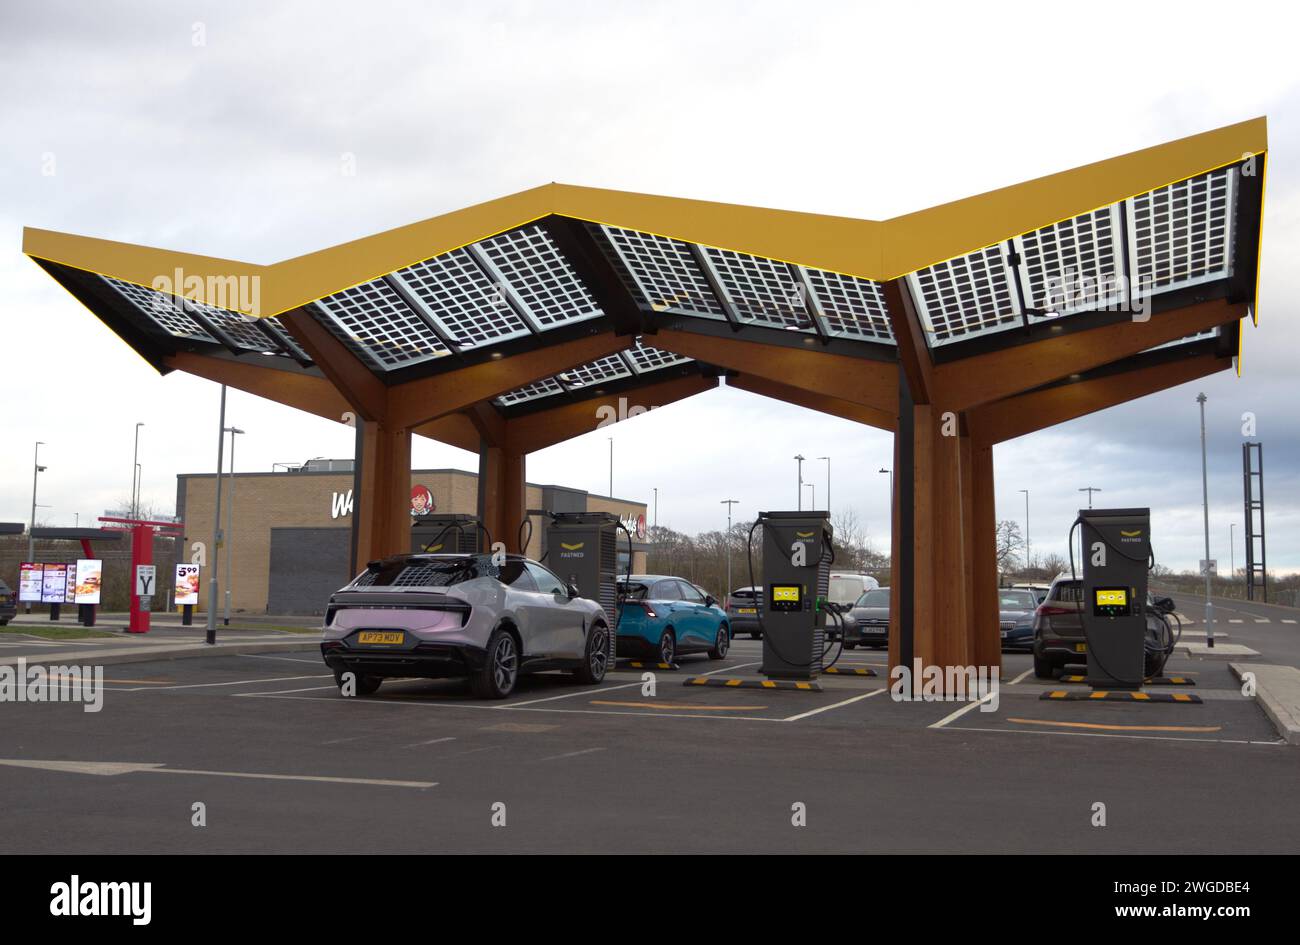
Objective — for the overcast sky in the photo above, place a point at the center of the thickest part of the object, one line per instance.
(218, 128)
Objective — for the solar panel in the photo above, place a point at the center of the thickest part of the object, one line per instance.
(664, 272)
(1073, 265)
(852, 307)
(470, 307)
(241, 330)
(373, 321)
(645, 358)
(162, 309)
(599, 371)
(964, 297)
(538, 389)
(760, 290)
(531, 266)
(1181, 235)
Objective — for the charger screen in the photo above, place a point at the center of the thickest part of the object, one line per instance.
(786, 597)
(1111, 602)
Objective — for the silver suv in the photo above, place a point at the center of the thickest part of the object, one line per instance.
(462, 615)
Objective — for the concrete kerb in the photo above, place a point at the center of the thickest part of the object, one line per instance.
(1277, 690)
(148, 653)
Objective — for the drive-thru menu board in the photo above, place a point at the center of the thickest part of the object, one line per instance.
(54, 583)
(90, 572)
(187, 585)
(29, 582)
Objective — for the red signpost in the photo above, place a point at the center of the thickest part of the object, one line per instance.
(142, 535)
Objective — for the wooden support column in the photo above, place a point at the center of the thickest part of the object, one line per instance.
(982, 523)
(381, 495)
(502, 493)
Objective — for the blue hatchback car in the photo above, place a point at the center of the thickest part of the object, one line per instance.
(661, 617)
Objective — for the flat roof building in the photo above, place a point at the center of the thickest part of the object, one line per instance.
(292, 526)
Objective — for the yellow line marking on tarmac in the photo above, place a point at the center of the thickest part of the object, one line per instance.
(673, 705)
(1122, 728)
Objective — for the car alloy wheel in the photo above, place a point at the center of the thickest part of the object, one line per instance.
(667, 647)
(505, 663)
(598, 659)
(723, 642)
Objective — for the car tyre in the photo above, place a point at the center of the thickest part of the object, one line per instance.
(668, 647)
(595, 660)
(366, 685)
(496, 678)
(850, 646)
(721, 644)
(1043, 667)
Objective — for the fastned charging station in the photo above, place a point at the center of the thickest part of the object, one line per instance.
(797, 560)
(1116, 559)
(582, 549)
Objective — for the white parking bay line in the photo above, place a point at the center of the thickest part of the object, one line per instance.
(962, 711)
(567, 695)
(1287, 620)
(281, 692)
(827, 708)
(241, 682)
(432, 741)
(282, 659)
(1020, 677)
(571, 754)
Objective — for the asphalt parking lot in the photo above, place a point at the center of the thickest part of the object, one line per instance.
(282, 762)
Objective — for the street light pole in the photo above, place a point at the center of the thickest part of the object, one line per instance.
(1027, 555)
(611, 466)
(230, 525)
(1232, 550)
(1205, 507)
(656, 490)
(812, 503)
(729, 503)
(37, 469)
(799, 458)
(828, 484)
(1090, 490)
(135, 475)
(213, 558)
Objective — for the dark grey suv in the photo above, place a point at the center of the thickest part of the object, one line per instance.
(1059, 638)
(8, 604)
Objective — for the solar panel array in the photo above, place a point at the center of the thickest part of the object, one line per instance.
(1110, 258)
(519, 283)
(637, 360)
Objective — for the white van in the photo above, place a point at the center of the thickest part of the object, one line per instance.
(848, 586)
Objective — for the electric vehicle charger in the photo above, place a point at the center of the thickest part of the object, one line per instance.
(1118, 596)
(778, 661)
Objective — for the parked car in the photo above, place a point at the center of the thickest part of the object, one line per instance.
(663, 617)
(847, 586)
(8, 604)
(870, 619)
(460, 615)
(742, 611)
(1040, 590)
(1059, 638)
(1016, 608)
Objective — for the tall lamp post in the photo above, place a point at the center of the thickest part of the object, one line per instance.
(729, 503)
(1205, 508)
(230, 524)
(1232, 550)
(799, 459)
(1027, 556)
(1090, 490)
(37, 469)
(135, 474)
(828, 484)
(211, 637)
(656, 518)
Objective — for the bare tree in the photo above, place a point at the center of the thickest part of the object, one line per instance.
(1008, 540)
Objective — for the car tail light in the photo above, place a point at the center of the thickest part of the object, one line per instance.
(1049, 610)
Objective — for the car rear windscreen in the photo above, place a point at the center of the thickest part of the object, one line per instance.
(423, 572)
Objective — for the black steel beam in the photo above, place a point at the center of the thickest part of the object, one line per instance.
(589, 260)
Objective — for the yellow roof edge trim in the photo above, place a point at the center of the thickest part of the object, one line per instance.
(868, 249)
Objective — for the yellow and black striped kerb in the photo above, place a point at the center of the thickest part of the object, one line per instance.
(1152, 681)
(638, 664)
(1107, 695)
(849, 671)
(725, 683)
